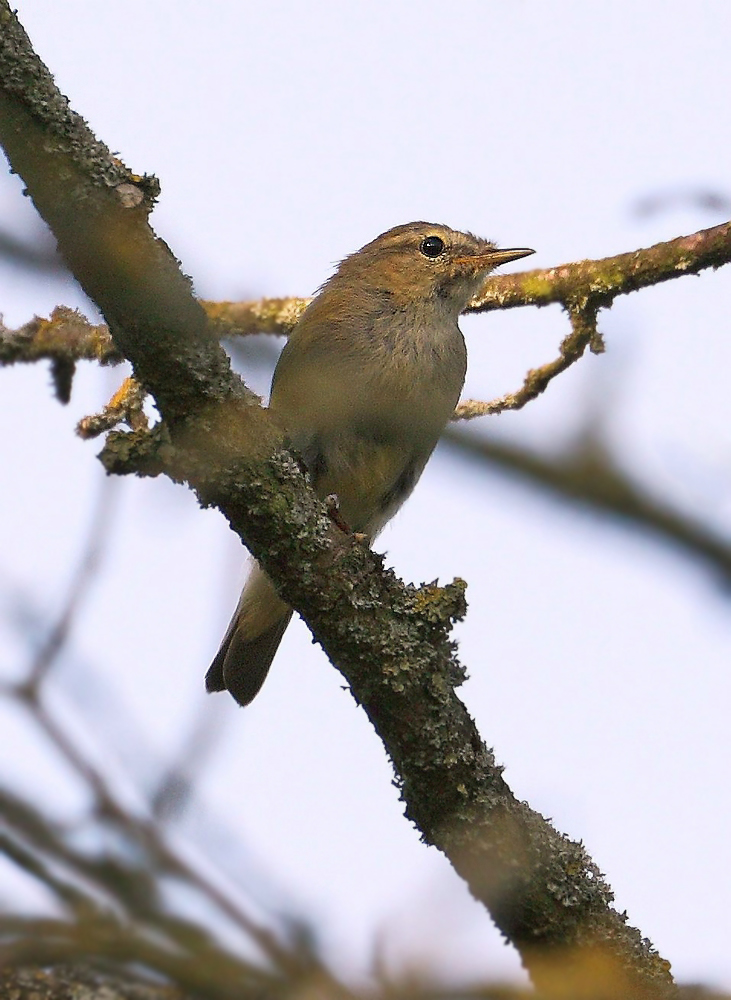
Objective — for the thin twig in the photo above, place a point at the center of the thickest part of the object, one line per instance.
(125, 406)
(66, 335)
(88, 567)
(583, 334)
(146, 831)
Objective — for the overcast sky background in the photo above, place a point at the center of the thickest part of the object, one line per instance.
(286, 135)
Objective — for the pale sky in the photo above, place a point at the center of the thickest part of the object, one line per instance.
(286, 135)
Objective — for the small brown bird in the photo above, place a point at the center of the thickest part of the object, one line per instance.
(364, 387)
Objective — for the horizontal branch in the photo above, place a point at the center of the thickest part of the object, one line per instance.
(599, 282)
(582, 288)
(64, 339)
(66, 336)
(596, 282)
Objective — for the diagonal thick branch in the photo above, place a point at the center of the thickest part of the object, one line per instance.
(390, 641)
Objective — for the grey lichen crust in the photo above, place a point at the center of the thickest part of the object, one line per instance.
(25, 77)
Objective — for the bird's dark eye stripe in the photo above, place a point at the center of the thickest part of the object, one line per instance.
(432, 246)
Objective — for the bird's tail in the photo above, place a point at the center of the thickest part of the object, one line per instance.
(251, 640)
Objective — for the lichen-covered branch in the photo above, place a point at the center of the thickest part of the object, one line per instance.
(594, 283)
(125, 406)
(237, 319)
(582, 288)
(583, 334)
(389, 640)
(66, 336)
(64, 339)
(599, 282)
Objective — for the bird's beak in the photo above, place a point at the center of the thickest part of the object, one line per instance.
(485, 261)
(503, 256)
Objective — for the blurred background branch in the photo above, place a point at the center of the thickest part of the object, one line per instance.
(588, 473)
(36, 254)
(110, 877)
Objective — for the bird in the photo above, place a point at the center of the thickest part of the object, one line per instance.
(365, 385)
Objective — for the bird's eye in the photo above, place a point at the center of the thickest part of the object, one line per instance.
(432, 246)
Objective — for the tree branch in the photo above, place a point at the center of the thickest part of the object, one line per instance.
(583, 334)
(390, 641)
(599, 282)
(590, 474)
(581, 288)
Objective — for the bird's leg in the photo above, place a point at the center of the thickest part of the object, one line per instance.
(333, 509)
